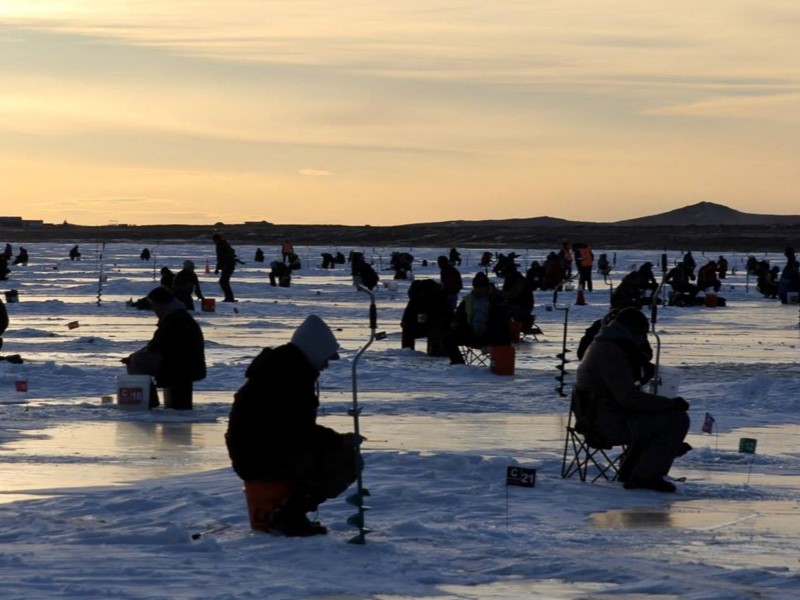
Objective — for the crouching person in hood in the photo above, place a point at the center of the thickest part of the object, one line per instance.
(273, 434)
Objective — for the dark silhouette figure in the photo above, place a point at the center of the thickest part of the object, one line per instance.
(427, 315)
(75, 253)
(280, 274)
(226, 265)
(175, 356)
(22, 257)
(273, 434)
(185, 284)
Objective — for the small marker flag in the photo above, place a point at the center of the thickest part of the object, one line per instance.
(708, 423)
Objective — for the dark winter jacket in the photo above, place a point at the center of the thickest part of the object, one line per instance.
(272, 423)
(179, 340)
(184, 285)
(451, 279)
(607, 380)
(427, 309)
(226, 256)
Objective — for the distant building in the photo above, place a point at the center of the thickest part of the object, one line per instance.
(19, 222)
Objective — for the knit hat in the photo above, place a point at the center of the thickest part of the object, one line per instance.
(633, 319)
(316, 341)
(188, 264)
(480, 280)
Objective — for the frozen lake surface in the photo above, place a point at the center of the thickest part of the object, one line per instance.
(78, 473)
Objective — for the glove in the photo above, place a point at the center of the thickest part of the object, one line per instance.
(680, 404)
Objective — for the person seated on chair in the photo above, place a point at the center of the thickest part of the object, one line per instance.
(362, 271)
(679, 279)
(273, 434)
(175, 356)
(554, 273)
(707, 277)
(481, 320)
(611, 404)
(519, 299)
(535, 276)
(427, 315)
(280, 274)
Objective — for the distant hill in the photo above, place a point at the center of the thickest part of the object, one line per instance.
(520, 222)
(708, 213)
(702, 213)
(704, 226)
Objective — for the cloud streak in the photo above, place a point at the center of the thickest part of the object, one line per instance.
(450, 110)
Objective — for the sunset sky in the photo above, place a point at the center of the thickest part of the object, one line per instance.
(377, 112)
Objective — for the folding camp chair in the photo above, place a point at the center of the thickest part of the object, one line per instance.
(582, 453)
(475, 356)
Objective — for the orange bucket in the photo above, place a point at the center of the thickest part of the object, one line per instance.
(262, 498)
(502, 360)
(208, 304)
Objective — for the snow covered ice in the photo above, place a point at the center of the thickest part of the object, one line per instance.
(99, 502)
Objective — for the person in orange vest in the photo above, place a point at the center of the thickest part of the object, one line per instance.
(584, 259)
(287, 249)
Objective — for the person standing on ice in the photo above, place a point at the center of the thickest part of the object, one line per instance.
(610, 403)
(226, 265)
(175, 355)
(273, 435)
(185, 284)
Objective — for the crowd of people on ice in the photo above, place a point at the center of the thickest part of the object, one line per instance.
(273, 438)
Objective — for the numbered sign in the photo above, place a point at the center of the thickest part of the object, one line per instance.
(520, 476)
(747, 445)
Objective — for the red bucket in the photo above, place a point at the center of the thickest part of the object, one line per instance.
(502, 360)
(21, 385)
(208, 304)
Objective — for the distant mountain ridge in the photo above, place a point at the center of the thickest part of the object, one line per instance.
(709, 213)
(701, 213)
(704, 225)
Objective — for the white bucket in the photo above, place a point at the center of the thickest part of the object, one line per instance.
(670, 381)
(133, 391)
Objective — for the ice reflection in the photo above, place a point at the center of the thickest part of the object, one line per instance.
(97, 454)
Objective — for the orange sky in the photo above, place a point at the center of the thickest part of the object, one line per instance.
(369, 112)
